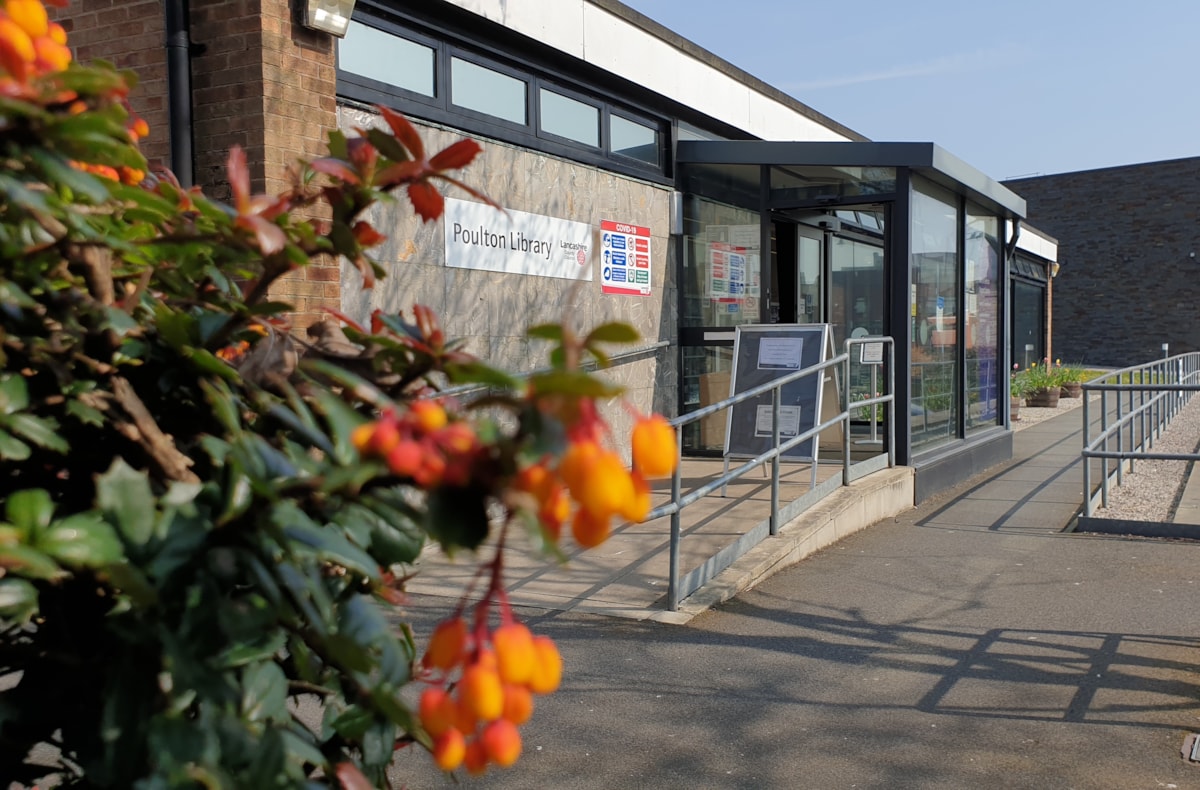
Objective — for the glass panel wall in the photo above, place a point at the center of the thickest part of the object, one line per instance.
(570, 118)
(934, 291)
(721, 286)
(981, 315)
(721, 264)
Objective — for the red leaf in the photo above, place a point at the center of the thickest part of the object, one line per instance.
(455, 156)
(345, 319)
(351, 778)
(239, 179)
(270, 237)
(475, 193)
(335, 168)
(404, 132)
(426, 200)
(366, 235)
(400, 173)
(368, 273)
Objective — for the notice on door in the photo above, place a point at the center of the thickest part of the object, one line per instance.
(624, 259)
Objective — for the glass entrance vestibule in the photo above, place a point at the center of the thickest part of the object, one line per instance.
(897, 239)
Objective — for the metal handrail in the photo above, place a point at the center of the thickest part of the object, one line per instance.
(679, 500)
(1156, 391)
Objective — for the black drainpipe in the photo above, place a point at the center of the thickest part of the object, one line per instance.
(179, 90)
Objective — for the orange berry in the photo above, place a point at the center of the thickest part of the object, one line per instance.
(554, 512)
(502, 742)
(431, 470)
(547, 673)
(384, 438)
(589, 531)
(57, 33)
(52, 56)
(457, 437)
(636, 507)
(606, 488)
(405, 458)
(16, 49)
(518, 704)
(655, 453)
(449, 750)
(30, 15)
(360, 437)
(534, 479)
(437, 711)
(481, 692)
(476, 758)
(514, 652)
(447, 644)
(429, 416)
(141, 128)
(576, 465)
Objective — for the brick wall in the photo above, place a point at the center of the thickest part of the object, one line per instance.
(1126, 236)
(259, 80)
(132, 35)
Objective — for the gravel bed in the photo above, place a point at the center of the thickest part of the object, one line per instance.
(1151, 492)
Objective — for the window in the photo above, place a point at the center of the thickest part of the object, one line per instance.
(448, 78)
(566, 117)
(632, 139)
(478, 88)
(373, 53)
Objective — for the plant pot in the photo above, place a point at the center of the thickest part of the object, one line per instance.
(1072, 389)
(1043, 398)
(1014, 409)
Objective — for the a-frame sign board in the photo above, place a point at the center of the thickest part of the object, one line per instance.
(763, 353)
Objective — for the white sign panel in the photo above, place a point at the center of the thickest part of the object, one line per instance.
(479, 236)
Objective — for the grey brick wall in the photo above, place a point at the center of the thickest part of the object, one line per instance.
(1128, 281)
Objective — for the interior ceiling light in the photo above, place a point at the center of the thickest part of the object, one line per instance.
(329, 16)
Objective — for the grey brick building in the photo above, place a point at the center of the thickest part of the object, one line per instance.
(1128, 240)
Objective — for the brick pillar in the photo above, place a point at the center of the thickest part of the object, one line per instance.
(268, 84)
(131, 35)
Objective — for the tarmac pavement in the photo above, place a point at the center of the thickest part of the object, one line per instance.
(968, 643)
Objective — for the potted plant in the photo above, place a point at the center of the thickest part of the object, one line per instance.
(1016, 391)
(1041, 385)
(1070, 378)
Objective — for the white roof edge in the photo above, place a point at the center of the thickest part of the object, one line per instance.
(585, 30)
(1035, 242)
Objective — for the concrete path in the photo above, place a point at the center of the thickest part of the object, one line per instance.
(969, 643)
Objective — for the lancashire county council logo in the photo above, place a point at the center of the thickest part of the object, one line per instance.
(581, 256)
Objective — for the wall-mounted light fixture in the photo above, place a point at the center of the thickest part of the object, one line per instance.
(329, 16)
(1054, 267)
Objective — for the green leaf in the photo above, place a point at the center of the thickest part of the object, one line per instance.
(28, 562)
(613, 332)
(457, 517)
(247, 653)
(14, 393)
(18, 601)
(328, 544)
(352, 723)
(29, 511)
(388, 145)
(42, 431)
(119, 321)
(209, 362)
(81, 541)
(176, 328)
(479, 373)
(79, 182)
(391, 543)
(124, 495)
(573, 382)
(264, 692)
(12, 448)
(86, 414)
(342, 420)
(545, 332)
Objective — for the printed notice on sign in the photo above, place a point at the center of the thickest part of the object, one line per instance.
(789, 421)
(624, 259)
(515, 242)
(780, 353)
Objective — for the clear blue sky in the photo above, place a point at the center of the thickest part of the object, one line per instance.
(1014, 87)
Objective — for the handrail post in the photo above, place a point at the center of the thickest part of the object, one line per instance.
(1120, 440)
(776, 402)
(676, 489)
(845, 404)
(1087, 462)
(1104, 447)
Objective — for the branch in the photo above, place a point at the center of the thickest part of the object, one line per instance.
(145, 432)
